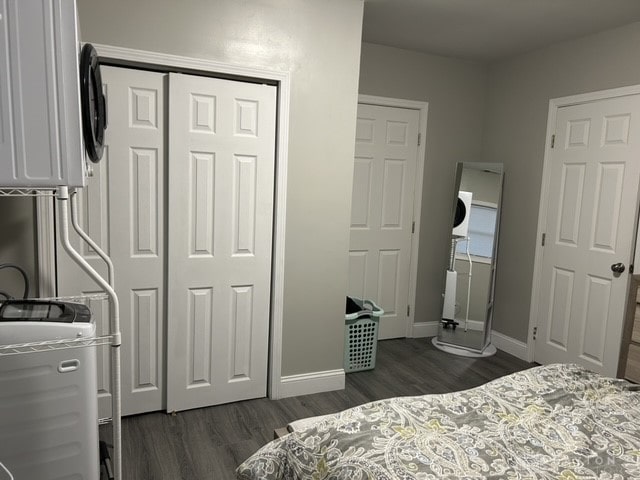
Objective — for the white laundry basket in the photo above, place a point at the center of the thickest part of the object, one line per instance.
(48, 404)
(361, 335)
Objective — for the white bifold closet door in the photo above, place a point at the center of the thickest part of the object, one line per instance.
(221, 182)
(164, 217)
(122, 211)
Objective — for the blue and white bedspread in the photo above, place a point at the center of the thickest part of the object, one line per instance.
(556, 422)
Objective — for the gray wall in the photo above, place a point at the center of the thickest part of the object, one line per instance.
(484, 185)
(515, 127)
(456, 92)
(319, 43)
(17, 244)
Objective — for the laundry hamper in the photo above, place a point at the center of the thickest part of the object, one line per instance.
(361, 334)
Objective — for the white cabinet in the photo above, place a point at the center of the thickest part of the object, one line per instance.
(40, 126)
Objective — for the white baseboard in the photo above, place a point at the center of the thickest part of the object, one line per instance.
(314, 382)
(510, 345)
(424, 329)
(473, 325)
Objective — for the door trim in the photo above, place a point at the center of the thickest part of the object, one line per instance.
(282, 78)
(554, 105)
(423, 109)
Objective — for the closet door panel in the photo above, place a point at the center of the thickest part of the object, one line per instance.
(221, 171)
(122, 209)
(136, 141)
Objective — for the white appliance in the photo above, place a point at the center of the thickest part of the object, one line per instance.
(43, 86)
(463, 212)
(48, 404)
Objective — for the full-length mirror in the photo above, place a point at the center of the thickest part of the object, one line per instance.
(468, 290)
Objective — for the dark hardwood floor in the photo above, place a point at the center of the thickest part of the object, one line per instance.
(209, 443)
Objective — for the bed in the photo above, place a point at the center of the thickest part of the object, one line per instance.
(558, 422)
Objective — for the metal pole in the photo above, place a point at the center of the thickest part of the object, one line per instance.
(73, 200)
(466, 321)
(116, 411)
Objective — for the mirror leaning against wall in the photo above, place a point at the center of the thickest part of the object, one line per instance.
(467, 308)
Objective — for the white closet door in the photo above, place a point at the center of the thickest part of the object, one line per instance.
(221, 187)
(136, 140)
(382, 211)
(122, 210)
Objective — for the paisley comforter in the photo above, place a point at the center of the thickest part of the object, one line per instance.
(556, 422)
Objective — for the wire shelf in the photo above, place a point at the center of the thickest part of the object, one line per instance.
(64, 343)
(28, 192)
(46, 346)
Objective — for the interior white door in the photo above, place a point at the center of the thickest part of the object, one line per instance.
(592, 207)
(122, 210)
(221, 188)
(382, 212)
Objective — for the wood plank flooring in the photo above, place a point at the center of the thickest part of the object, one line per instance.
(208, 443)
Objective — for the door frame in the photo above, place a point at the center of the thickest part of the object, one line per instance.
(44, 206)
(423, 109)
(554, 105)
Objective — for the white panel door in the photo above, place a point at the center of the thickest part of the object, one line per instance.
(593, 197)
(221, 187)
(382, 211)
(122, 210)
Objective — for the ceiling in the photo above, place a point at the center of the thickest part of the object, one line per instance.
(487, 30)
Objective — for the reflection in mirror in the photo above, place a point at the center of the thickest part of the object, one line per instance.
(468, 290)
